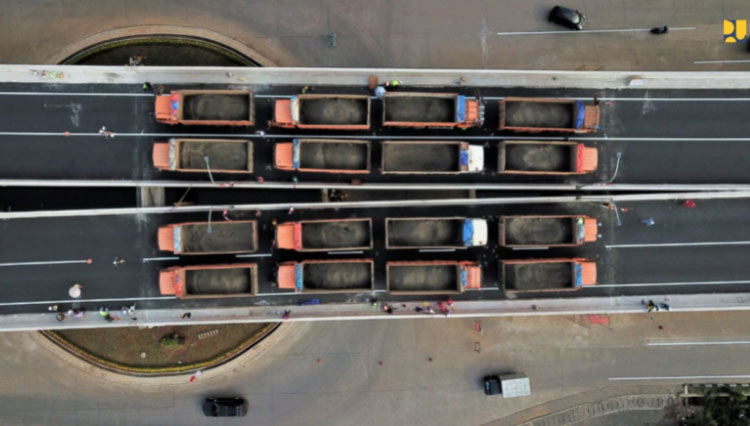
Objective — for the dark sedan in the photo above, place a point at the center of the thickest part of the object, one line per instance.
(225, 407)
(567, 17)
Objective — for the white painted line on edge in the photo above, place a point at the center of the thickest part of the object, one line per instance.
(622, 30)
(156, 259)
(53, 302)
(698, 244)
(675, 283)
(728, 376)
(446, 250)
(254, 255)
(531, 248)
(725, 61)
(736, 342)
(346, 252)
(50, 262)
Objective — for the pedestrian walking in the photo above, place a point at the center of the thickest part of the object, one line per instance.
(118, 261)
(651, 306)
(664, 306)
(78, 313)
(186, 315)
(147, 87)
(108, 317)
(285, 316)
(103, 311)
(75, 291)
(392, 84)
(648, 222)
(52, 308)
(60, 316)
(380, 92)
(688, 203)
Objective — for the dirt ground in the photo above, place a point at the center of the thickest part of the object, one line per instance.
(216, 107)
(539, 114)
(420, 157)
(540, 158)
(337, 235)
(539, 276)
(538, 231)
(333, 111)
(420, 109)
(337, 276)
(422, 278)
(124, 345)
(219, 281)
(335, 155)
(224, 236)
(425, 233)
(221, 155)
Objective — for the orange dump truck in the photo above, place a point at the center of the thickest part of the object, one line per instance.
(206, 107)
(420, 110)
(432, 277)
(323, 156)
(203, 281)
(548, 274)
(239, 236)
(325, 235)
(330, 112)
(546, 158)
(547, 231)
(327, 276)
(548, 115)
(200, 155)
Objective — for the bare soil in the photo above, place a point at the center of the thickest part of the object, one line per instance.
(336, 235)
(538, 158)
(124, 345)
(420, 157)
(425, 233)
(221, 155)
(338, 111)
(219, 281)
(422, 278)
(334, 155)
(539, 114)
(538, 276)
(337, 276)
(216, 107)
(224, 237)
(420, 109)
(538, 231)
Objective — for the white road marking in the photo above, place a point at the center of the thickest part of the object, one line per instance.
(674, 283)
(623, 30)
(736, 342)
(50, 262)
(531, 248)
(728, 376)
(697, 244)
(346, 252)
(156, 259)
(254, 255)
(445, 250)
(725, 61)
(53, 302)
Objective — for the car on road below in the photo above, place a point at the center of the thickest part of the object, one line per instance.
(225, 407)
(567, 17)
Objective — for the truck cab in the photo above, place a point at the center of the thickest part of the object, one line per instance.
(472, 159)
(475, 232)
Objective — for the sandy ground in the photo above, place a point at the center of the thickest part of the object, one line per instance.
(216, 107)
(541, 158)
(337, 235)
(538, 276)
(337, 276)
(420, 157)
(527, 231)
(221, 155)
(224, 237)
(539, 114)
(219, 281)
(333, 111)
(422, 278)
(425, 233)
(335, 155)
(420, 109)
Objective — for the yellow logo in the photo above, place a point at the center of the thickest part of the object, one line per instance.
(735, 30)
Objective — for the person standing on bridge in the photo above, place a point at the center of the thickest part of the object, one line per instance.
(648, 222)
(75, 291)
(688, 203)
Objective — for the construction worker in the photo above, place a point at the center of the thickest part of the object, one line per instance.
(392, 84)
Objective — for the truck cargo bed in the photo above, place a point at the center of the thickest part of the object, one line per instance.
(538, 276)
(221, 155)
(219, 281)
(421, 157)
(335, 111)
(337, 276)
(539, 114)
(334, 155)
(336, 235)
(425, 233)
(225, 107)
(224, 237)
(538, 231)
(420, 109)
(418, 278)
(538, 157)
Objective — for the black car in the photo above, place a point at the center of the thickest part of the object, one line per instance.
(492, 385)
(225, 407)
(567, 17)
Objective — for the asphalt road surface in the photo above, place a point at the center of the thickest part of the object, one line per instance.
(687, 250)
(664, 136)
